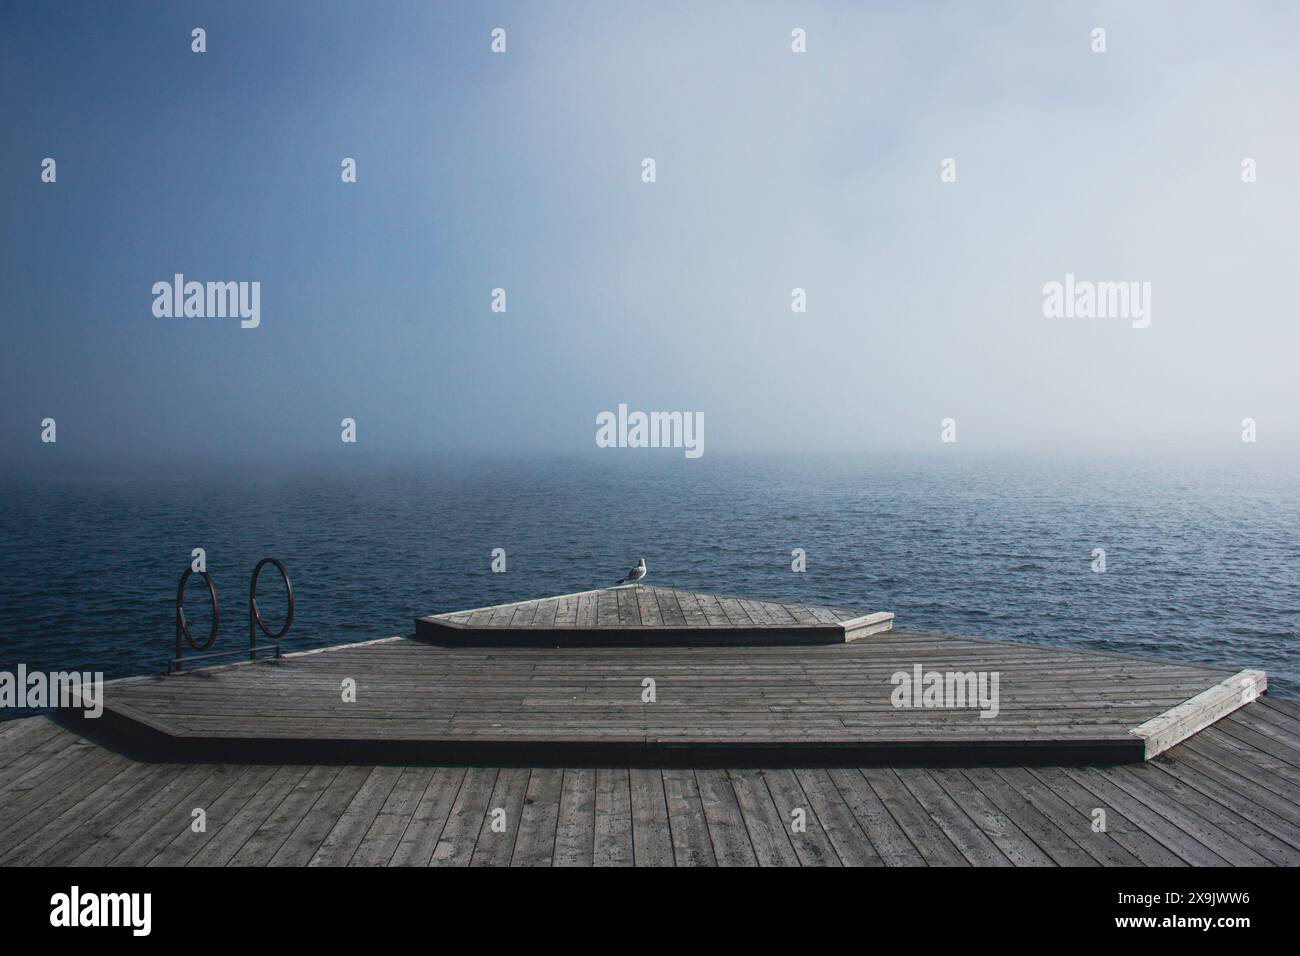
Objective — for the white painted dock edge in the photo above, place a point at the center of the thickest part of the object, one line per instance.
(1196, 713)
(868, 624)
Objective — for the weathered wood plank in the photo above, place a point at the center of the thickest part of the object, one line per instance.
(1273, 824)
(652, 844)
(575, 830)
(266, 840)
(690, 832)
(1045, 831)
(1073, 819)
(306, 838)
(380, 843)
(767, 829)
(174, 795)
(613, 822)
(539, 819)
(1145, 818)
(812, 844)
(500, 829)
(431, 813)
(460, 834)
(187, 843)
(77, 825)
(927, 836)
(725, 822)
(1117, 827)
(1202, 818)
(347, 833)
(975, 845)
(1010, 840)
(851, 843)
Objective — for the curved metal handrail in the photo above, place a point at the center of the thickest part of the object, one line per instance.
(255, 621)
(182, 626)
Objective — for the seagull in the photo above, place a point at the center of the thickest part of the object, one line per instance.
(636, 574)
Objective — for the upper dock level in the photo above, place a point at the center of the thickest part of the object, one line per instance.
(640, 616)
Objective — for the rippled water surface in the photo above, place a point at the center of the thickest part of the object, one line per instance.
(1201, 565)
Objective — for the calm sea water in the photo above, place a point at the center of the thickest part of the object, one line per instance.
(1201, 564)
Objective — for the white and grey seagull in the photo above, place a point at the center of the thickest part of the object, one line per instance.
(636, 574)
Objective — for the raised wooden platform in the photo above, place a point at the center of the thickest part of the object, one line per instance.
(640, 616)
(713, 706)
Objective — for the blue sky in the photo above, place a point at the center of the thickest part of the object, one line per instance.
(775, 170)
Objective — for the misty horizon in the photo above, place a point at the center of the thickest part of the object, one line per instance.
(822, 172)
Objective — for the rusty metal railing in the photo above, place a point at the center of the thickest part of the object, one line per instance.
(256, 651)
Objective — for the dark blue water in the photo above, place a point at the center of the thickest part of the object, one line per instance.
(1203, 564)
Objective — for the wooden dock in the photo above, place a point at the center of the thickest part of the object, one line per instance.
(511, 735)
(665, 677)
(1230, 795)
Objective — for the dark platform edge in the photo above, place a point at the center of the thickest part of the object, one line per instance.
(457, 635)
(124, 729)
(435, 630)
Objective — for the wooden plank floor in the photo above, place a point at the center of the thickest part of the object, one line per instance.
(627, 614)
(647, 606)
(835, 696)
(1228, 796)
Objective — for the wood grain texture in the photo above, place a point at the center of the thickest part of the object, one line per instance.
(829, 705)
(641, 615)
(1228, 795)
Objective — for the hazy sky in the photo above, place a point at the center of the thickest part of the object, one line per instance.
(522, 170)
